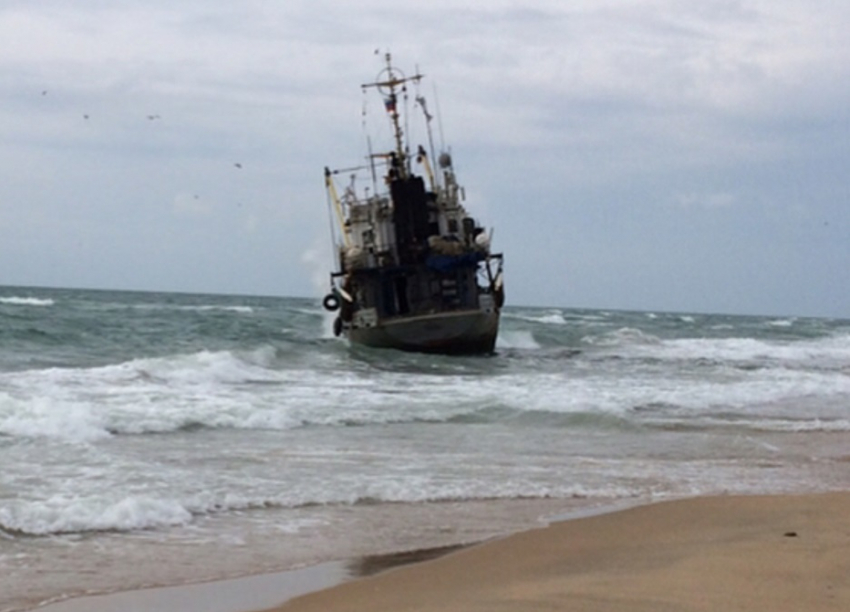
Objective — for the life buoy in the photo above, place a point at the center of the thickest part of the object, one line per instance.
(337, 327)
(331, 302)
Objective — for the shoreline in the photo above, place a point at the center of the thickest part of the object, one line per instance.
(356, 537)
(588, 550)
(248, 592)
(781, 553)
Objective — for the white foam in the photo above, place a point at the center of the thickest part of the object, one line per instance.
(788, 425)
(782, 323)
(240, 309)
(216, 389)
(515, 339)
(43, 416)
(625, 336)
(207, 308)
(109, 508)
(26, 301)
(60, 514)
(195, 368)
(553, 317)
(328, 319)
(835, 350)
(143, 395)
(249, 390)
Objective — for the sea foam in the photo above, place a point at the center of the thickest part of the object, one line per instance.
(26, 301)
(60, 514)
(516, 339)
(46, 417)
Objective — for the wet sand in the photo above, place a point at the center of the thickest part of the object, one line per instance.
(777, 553)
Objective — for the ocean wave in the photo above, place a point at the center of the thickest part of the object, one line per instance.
(201, 367)
(274, 388)
(755, 425)
(60, 515)
(554, 317)
(516, 339)
(151, 395)
(588, 419)
(222, 390)
(65, 515)
(625, 336)
(217, 307)
(240, 309)
(782, 322)
(827, 350)
(26, 301)
(46, 417)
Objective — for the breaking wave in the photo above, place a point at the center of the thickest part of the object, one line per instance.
(26, 301)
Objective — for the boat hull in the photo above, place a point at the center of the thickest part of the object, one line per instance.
(467, 332)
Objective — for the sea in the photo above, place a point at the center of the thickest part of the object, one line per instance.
(151, 439)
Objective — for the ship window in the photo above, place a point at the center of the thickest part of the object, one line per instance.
(453, 226)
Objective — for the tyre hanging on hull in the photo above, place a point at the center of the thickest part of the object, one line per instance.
(337, 327)
(331, 302)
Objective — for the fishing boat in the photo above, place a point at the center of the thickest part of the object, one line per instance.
(415, 270)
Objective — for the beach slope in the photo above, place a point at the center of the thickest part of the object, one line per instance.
(777, 553)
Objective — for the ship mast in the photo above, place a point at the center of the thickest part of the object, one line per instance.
(390, 80)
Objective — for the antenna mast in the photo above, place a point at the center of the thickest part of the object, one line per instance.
(389, 81)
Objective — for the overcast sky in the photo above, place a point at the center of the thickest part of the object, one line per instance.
(631, 154)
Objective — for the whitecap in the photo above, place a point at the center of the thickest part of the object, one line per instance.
(552, 318)
(781, 323)
(508, 339)
(214, 307)
(555, 318)
(49, 416)
(159, 394)
(239, 309)
(622, 336)
(26, 301)
(62, 514)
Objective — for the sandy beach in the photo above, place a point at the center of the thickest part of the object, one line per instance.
(777, 553)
